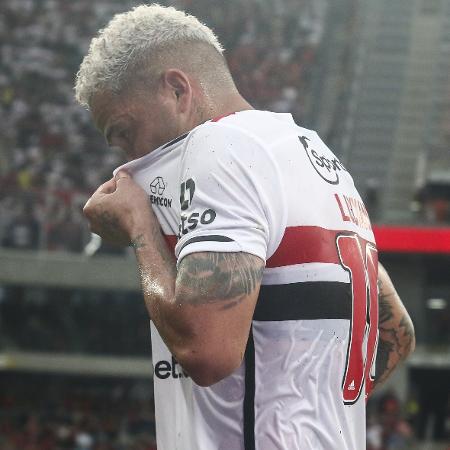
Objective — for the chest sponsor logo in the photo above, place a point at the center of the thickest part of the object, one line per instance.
(328, 169)
(190, 221)
(157, 188)
(187, 190)
(169, 369)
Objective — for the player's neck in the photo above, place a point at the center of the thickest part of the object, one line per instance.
(212, 108)
(225, 105)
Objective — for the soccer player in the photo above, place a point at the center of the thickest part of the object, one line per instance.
(257, 260)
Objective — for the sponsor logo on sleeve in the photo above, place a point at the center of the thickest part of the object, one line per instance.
(187, 190)
(190, 221)
(328, 169)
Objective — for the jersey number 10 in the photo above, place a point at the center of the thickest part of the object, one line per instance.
(361, 262)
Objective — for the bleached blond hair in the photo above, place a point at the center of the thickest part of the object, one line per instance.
(148, 34)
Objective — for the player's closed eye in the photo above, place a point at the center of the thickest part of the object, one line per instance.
(123, 134)
(119, 138)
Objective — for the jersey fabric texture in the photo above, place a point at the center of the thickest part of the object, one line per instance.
(256, 182)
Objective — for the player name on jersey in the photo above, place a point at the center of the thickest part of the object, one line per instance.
(353, 210)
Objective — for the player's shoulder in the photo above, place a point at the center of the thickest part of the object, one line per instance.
(263, 128)
(225, 129)
(223, 138)
(242, 141)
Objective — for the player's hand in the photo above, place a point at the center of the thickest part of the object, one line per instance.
(118, 209)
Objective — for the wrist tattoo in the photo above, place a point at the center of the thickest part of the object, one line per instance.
(138, 242)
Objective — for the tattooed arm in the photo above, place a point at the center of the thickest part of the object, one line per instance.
(204, 313)
(396, 340)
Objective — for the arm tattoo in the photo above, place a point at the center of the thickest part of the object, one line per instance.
(396, 337)
(138, 242)
(385, 308)
(382, 368)
(408, 331)
(210, 277)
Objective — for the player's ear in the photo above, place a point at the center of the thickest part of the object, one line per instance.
(178, 87)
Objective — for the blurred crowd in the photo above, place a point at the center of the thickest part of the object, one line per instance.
(73, 321)
(396, 425)
(47, 412)
(51, 156)
(69, 413)
(387, 427)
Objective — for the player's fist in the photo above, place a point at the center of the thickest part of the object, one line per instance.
(118, 209)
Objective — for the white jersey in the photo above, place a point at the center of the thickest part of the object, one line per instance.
(256, 182)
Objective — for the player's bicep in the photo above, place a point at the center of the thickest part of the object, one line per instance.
(218, 290)
(224, 279)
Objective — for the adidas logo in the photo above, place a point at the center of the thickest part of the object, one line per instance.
(351, 386)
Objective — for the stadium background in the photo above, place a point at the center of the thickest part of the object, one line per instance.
(372, 76)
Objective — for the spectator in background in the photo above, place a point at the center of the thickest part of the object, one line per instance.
(23, 230)
(68, 232)
(49, 149)
(387, 430)
(74, 414)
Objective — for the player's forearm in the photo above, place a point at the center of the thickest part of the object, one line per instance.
(203, 312)
(157, 271)
(396, 338)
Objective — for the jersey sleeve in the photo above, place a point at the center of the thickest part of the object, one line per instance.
(231, 196)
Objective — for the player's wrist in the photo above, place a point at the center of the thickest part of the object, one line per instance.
(140, 235)
(142, 230)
